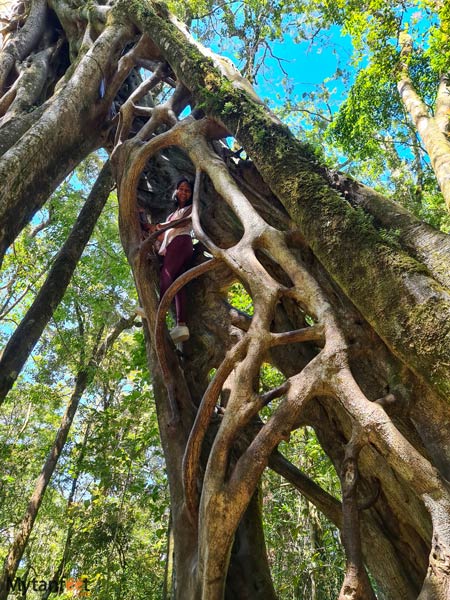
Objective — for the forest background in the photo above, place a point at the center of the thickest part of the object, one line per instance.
(105, 514)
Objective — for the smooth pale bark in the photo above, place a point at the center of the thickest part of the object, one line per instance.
(28, 332)
(434, 139)
(432, 129)
(442, 113)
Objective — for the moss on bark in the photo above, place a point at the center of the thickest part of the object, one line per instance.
(395, 293)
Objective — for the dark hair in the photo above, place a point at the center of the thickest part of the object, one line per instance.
(184, 180)
(177, 185)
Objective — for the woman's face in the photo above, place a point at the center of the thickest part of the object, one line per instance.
(184, 193)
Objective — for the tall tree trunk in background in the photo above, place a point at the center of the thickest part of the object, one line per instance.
(433, 129)
(83, 379)
(358, 324)
(23, 340)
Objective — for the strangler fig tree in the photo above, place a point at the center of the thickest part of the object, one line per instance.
(357, 321)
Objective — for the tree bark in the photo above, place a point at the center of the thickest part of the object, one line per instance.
(23, 340)
(68, 130)
(425, 244)
(356, 585)
(432, 130)
(434, 139)
(25, 40)
(324, 261)
(214, 503)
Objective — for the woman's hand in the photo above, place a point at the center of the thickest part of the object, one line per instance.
(157, 227)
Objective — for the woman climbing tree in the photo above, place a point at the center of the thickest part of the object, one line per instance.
(176, 250)
(174, 245)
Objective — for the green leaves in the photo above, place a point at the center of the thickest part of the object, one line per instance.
(240, 299)
(111, 462)
(371, 107)
(312, 558)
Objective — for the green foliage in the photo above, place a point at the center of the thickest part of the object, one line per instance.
(438, 51)
(371, 106)
(117, 519)
(240, 299)
(354, 116)
(120, 521)
(371, 125)
(119, 515)
(312, 562)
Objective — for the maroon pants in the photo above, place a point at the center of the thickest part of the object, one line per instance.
(175, 261)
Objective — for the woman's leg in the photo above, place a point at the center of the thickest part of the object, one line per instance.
(177, 257)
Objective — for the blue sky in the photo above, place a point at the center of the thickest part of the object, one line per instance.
(307, 65)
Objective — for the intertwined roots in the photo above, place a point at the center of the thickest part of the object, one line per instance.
(220, 491)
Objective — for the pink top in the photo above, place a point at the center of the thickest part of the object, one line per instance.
(184, 229)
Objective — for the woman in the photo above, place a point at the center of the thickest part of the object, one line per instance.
(176, 249)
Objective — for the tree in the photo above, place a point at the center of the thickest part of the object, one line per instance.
(349, 302)
(411, 125)
(84, 377)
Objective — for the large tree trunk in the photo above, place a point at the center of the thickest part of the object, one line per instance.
(28, 332)
(433, 130)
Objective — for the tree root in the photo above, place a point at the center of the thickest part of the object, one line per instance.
(160, 340)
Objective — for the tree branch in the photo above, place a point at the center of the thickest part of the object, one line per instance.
(25, 337)
(191, 457)
(324, 501)
(160, 340)
(25, 40)
(307, 334)
(356, 583)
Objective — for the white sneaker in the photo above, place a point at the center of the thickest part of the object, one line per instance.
(140, 312)
(180, 333)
